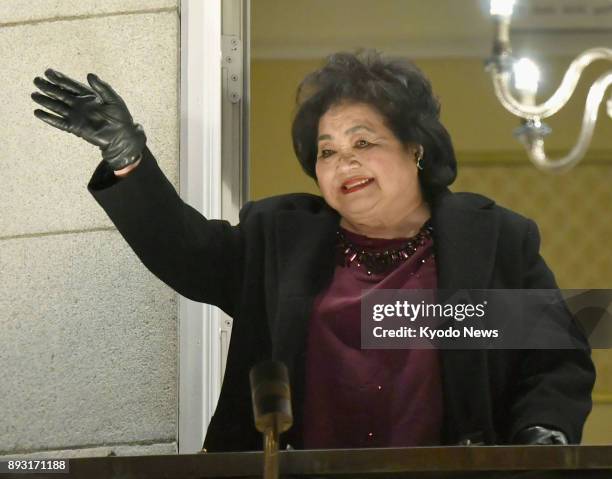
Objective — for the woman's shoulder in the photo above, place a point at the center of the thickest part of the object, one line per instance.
(509, 218)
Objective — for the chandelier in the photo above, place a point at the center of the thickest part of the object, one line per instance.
(503, 67)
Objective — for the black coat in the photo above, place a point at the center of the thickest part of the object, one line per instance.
(266, 271)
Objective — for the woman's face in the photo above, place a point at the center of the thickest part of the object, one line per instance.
(363, 170)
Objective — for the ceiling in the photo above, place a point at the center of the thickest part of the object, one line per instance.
(423, 28)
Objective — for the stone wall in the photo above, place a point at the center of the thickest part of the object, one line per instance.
(89, 336)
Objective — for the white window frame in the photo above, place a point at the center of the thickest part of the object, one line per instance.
(213, 180)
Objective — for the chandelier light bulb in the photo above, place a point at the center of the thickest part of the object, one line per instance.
(526, 76)
(521, 100)
(502, 8)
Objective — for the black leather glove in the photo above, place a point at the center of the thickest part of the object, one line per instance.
(539, 435)
(97, 114)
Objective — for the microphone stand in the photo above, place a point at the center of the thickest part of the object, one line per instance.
(271, 398)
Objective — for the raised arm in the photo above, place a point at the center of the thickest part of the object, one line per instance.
(200, 259)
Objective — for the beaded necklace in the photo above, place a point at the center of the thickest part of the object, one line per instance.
(379, 261)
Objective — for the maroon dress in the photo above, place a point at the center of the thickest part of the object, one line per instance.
(369, 397)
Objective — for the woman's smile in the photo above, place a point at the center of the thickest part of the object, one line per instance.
(355, 184)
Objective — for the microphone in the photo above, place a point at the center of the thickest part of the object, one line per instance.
(271, 397)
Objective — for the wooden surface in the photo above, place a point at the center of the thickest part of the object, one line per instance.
(524, 462)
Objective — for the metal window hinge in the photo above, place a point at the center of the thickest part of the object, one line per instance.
(231, 48)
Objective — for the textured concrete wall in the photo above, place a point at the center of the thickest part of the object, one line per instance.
(88, 335)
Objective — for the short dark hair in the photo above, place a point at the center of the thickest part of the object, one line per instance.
(397, 89)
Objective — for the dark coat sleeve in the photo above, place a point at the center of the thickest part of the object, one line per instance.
(201, 259)
(554, 386)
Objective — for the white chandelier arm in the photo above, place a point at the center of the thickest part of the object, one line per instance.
(535, 146)
(501, 83)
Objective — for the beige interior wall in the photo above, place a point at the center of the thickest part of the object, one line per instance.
(572, 210)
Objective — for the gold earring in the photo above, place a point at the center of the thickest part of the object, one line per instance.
(419, 156)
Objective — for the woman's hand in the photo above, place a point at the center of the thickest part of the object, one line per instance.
(95, 113)
(539, 435)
